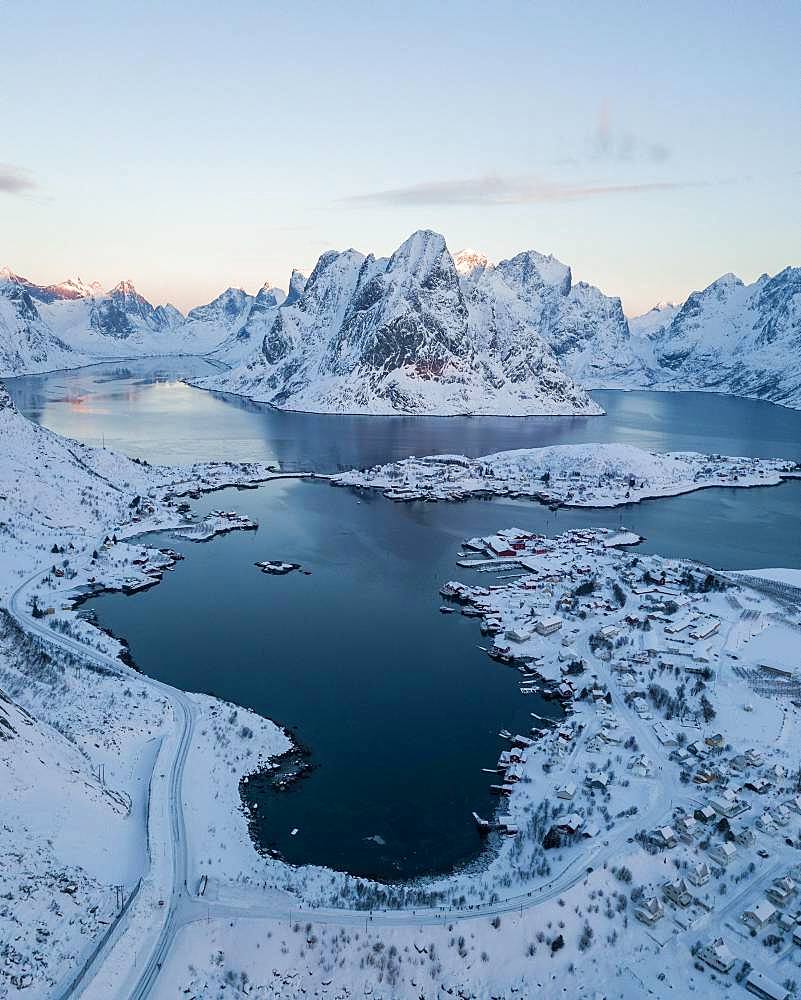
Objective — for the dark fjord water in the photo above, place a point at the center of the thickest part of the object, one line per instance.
(396, 703)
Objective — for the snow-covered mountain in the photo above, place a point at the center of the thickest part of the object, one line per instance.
(426, 332)
(730, 337)
(27, 343)
(585, 329)
(46, 327)
(412, 333)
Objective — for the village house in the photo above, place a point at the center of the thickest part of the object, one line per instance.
(664, 838)
(781, 815)
(677, 892)
(567, 791)
(664, 735)
(547, 626)
(570, 824)
(650, 911)
(717, 954)
(598, 779)
(759, 915)
(764, 987)
(765, 824)
(641, 766)
(781, 892)
(700, 874)
(727, 804)
(704, 814)
(723, 854)
(716, 742)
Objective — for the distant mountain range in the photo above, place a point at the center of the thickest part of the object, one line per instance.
(424, 331)
(731, 337)
(47, 327)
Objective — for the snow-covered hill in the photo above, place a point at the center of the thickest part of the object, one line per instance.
(412, 333)
(52, 488)
(730, 337)
(574, 475)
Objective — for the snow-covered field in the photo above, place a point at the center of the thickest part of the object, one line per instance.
(575, 475)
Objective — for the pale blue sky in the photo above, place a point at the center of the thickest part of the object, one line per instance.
(651, 146)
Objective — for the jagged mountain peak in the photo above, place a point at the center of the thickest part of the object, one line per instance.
(124, 287)
(536, 270)
(297, 283)
(269, 295)
(470, 263)
(421, 253)
(76, 288)
(723, 285)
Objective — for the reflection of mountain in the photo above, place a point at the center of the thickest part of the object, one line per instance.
(33, 393)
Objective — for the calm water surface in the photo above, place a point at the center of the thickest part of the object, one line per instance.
(396, 703)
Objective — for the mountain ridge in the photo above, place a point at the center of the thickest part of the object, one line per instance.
(501, 337)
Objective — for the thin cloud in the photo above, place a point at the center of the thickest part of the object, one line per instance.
(609, 143)
(15, 180)
(496, 190)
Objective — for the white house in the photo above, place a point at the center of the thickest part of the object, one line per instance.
(664, 735)
(677, 892)
(547, 626)
(765, 988)
(718, 954)
(641, 766)
(567, 791)
(781, 892)
(700, 874)
(650, 911)
(759, 915)
(664, 837)
(723, 854)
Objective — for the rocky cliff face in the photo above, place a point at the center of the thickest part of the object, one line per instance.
(404, 334)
